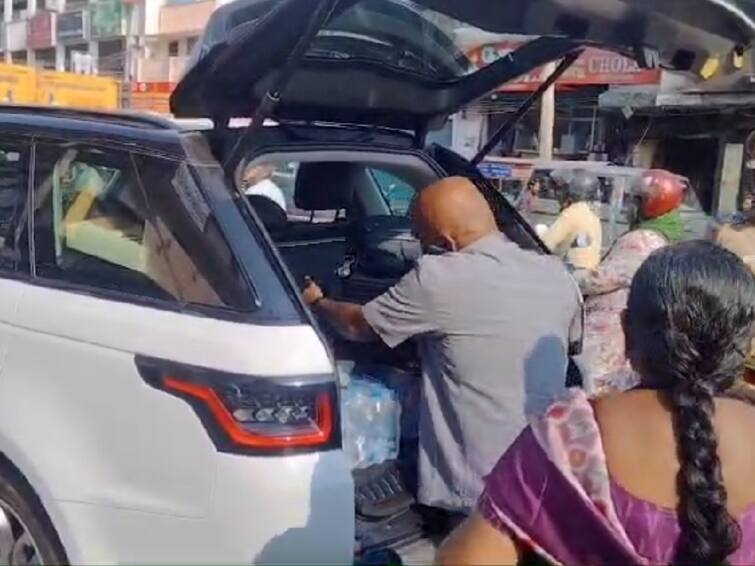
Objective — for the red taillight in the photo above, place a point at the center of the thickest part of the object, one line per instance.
(316, 434)
(252, 414)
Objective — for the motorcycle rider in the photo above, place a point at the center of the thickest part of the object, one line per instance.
(655, 221)
(577, 234)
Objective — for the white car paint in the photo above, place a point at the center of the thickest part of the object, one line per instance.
(128, 473)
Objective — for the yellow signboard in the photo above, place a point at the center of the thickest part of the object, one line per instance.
(17, 84)
(77, 91)
(24, 85)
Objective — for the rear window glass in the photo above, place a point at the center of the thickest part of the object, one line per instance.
(403, 35)
(398, 194)
(400, 34)
(137, 225)
(14, 181)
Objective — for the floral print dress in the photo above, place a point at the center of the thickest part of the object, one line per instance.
(603, 360)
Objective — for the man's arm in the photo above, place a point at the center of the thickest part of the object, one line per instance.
(347, 318)
(395, 316)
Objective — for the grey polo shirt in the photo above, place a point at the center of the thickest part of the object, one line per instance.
(493, 326)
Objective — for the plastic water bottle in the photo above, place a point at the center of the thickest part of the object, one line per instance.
(371, 416)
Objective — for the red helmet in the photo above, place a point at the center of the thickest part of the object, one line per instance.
(659, 192)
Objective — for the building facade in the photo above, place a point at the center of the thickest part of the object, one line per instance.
(143, 43)
(579, 129)
(702, 127)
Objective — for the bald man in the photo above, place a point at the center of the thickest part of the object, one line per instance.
(492, 323)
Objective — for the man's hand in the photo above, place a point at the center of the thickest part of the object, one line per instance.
(312, 293)
(346, 318)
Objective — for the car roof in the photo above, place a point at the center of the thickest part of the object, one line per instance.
(149, 132)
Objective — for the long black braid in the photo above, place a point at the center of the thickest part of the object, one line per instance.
(689, 322)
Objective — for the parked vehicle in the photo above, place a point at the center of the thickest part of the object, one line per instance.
(165, 397)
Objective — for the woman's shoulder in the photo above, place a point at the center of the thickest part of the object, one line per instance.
(646, 410)
(638, 426)
(736, 412)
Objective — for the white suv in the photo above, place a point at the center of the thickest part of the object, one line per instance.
(155, 405)
(165, 397)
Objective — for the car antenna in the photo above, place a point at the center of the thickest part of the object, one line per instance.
(531, 100)
(272, 97)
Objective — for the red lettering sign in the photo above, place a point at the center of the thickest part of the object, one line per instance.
(40, 30)
(154, 87)
(594, 67)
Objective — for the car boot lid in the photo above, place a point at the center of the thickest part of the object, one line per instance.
(396, 63)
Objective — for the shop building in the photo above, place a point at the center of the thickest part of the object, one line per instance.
(703, 128)
(41, 39)
(73, 49)
(167, 48)
(580, 130)
(108, 25)
(67, 35)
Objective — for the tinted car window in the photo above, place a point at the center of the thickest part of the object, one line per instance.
(14, 181)
(398, 193)
(135, 225)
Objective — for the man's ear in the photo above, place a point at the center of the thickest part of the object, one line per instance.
(449, 243)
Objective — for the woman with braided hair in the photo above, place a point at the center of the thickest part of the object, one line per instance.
(658, 475)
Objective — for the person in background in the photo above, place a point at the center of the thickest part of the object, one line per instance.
(577, 234)
(654, 221)
(738, 236)
(747, 202)
(528, 198)
(257, 181)
(479, 306)
(659, 475)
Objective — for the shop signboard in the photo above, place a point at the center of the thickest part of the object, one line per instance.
(21, 84)
(77, 91)
(17, 84)
(41, 34)
(594, 67)
(108, 19)
(71, 26)
(495, 170)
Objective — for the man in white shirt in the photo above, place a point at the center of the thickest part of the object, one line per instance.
(257, 181)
